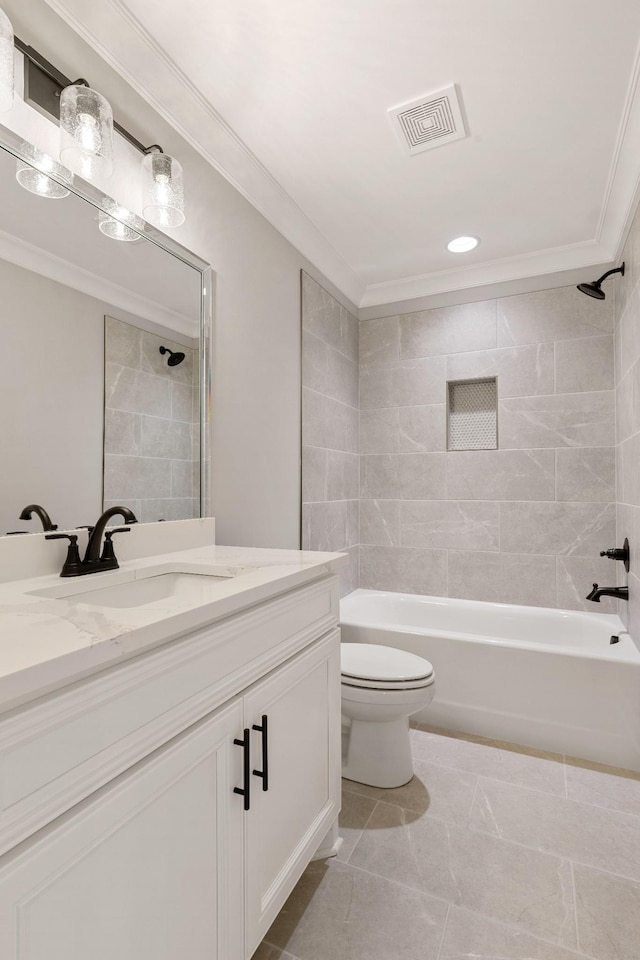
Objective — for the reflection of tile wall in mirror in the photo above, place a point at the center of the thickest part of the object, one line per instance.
(152, 425)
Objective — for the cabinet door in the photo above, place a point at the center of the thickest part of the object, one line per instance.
(148, 867)
(286, 822)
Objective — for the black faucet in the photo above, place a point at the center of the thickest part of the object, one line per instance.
(94, 561)
(40, 512)
(622, 593)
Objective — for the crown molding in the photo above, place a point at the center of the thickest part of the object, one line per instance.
(110, 26)
(156, 78)
(27, 255)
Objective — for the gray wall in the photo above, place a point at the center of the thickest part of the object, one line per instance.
(521, 524)
(627, 338)
(330, 462)
(152, 425)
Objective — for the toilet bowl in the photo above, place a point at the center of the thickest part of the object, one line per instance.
(381, 688)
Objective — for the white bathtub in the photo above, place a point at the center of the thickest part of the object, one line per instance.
(545, 678)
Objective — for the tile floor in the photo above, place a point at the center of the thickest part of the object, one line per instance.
(491, 852)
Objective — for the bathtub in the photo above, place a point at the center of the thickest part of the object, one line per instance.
(543, 678)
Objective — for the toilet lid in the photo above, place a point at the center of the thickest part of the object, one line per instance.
(369, 663)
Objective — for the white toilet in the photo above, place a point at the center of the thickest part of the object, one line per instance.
(381, 688)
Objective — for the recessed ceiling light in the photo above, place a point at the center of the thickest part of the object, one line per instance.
(462, 244)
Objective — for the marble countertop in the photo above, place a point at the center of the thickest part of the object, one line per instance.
(49, 642)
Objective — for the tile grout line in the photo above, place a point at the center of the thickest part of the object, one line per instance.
(575, 905)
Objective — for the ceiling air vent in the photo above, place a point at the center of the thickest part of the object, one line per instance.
(429, 121)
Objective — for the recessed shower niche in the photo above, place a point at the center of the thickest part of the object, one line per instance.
(472, 414)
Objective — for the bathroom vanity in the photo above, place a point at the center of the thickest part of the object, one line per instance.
(168, 767)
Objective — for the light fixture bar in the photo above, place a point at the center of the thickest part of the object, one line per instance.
(44, 84)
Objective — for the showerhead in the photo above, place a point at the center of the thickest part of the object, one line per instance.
(174, 356)
(595, 289)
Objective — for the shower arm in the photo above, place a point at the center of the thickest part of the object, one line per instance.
(608, 274)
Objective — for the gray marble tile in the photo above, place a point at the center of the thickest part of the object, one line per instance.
(324, 526)
(407, 476)
(470, 936)
(328, 423)
(380, 522)
(501, 475)
(525, 371)
(339, 913)
(314, 474)
(625, 407)
(558, 314)
(586, 473)
(349, 579)
(523, 887)
(354, 815)
(167, 509)
(121, 432)
(602, 786)
(575, 529)
(525, 766)
(152, 361)
(404, 570)
(315, 362)
(136, 478)
(136, 392)
(182, 479)
(434, 791)
(629, 334)
(450, 524)
(380, 340)
(422, 429)
(405, 383)
(170, 439)
(182, 402)
(342, 378)
(353, 523)
(379, 431)
(608, 914)
(122, 343)
(503, 577)
(593, 836)
(628, 475)
(343, 475)
(445, 330)
(583, 365)
(321, 313)
(133, 505)
(349, 335)
(565, 420)
(575, 576)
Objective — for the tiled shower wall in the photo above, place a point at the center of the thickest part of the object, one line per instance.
(520, 524)
(151, 438)
(627, 335)
(330, 462)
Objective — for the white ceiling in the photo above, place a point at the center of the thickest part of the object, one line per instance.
(547, 177)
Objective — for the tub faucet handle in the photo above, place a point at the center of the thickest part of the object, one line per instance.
(618, 553)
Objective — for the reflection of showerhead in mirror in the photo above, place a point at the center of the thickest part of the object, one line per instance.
(174, 357)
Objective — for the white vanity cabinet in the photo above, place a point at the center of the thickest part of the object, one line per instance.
(191, 850)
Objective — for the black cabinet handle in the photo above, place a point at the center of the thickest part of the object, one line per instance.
(264, 773)
(245, 791)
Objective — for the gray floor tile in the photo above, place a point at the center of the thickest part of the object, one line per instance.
(510, 883)
(439, 791)
(470, 936)
(355, 812)
(604, 786)
(268, 952)
(491, 758)
(339, 913)
(608, 912)
(594, 836)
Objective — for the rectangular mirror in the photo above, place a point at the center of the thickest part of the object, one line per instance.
(104, 347)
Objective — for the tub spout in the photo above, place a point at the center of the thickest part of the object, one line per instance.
(622, 593)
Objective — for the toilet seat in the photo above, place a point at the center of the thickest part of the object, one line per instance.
(374, 667)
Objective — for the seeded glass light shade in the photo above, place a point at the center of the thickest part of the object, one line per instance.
(120, 224)
(162, 190)
(86, 132)
(6, 63)
(35, 175)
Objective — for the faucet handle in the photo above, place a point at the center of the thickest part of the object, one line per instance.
(107, 550)
(72, 564)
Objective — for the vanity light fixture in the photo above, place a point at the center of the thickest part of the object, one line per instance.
(86, 131)
(162, 189)
(35, 174)
(120, 224)
(462, 244)
(6, 63)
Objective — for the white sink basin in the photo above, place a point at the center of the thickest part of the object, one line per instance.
(148, 586)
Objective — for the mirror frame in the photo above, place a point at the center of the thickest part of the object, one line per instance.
(15, 145)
